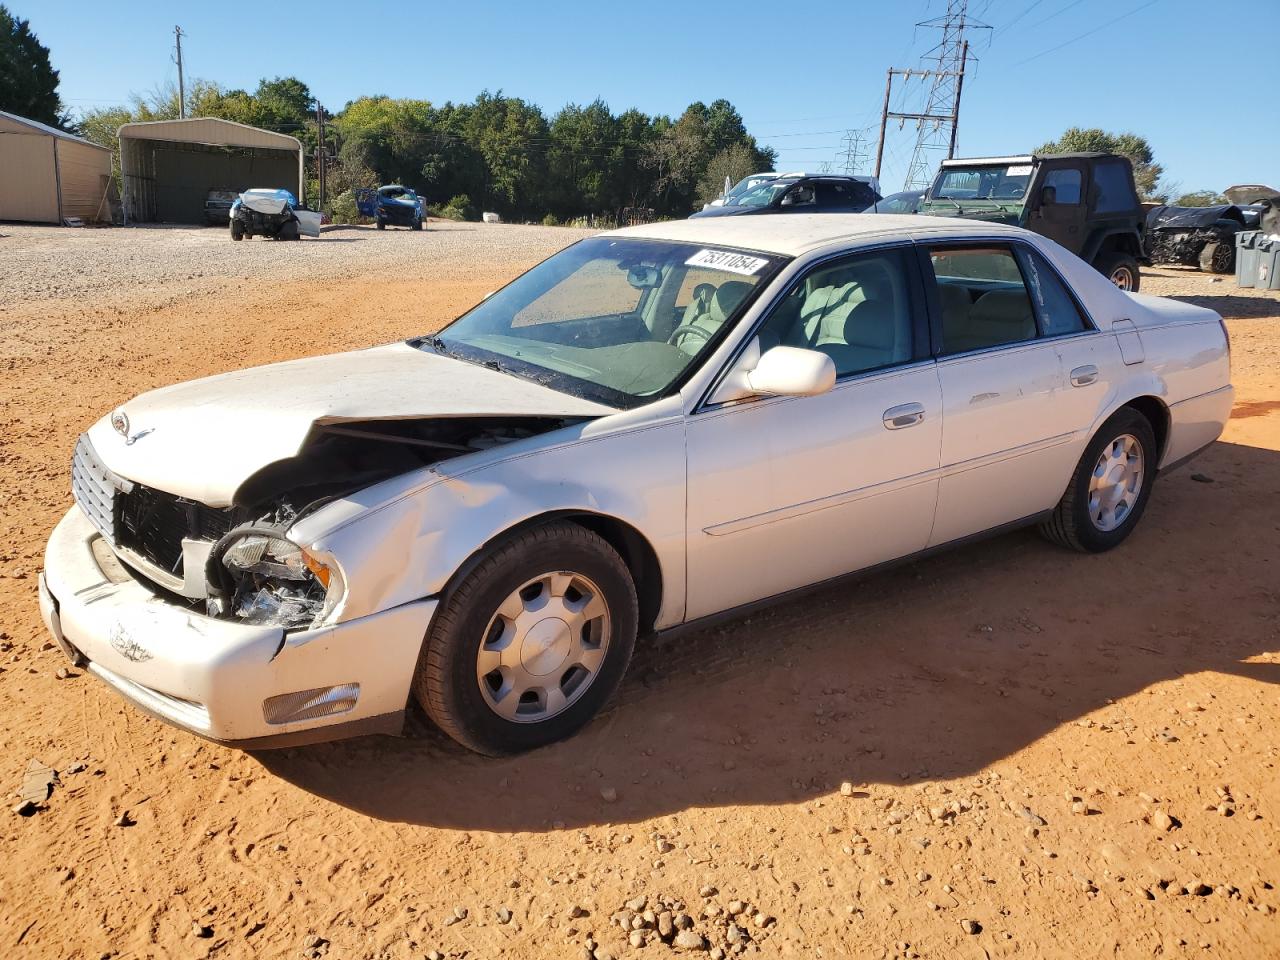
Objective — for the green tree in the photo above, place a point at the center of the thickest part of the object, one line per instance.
(1200, 198)
(732, 163)
(1146, 172)
(28, 82)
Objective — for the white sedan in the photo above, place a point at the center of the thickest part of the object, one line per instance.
(651, 428)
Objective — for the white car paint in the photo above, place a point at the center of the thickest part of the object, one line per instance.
(739, 499)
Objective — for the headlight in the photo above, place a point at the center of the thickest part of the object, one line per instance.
(257, 576)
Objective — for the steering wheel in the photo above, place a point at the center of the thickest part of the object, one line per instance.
(687, 329)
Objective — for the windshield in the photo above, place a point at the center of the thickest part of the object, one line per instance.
(986, 182)
(746, 185)
(616, 320)
(396, 193)
(763, 194)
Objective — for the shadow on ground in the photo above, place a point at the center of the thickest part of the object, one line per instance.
(931, 671)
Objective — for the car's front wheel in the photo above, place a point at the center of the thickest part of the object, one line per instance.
(532, 642)
(1110, 487)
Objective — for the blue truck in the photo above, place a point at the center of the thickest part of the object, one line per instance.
(392, 205)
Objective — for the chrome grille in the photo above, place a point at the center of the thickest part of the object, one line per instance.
(94, 487)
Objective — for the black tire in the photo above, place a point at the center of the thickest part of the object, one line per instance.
(1218, 257)
(382, 225)
(417, 224)
(446, 682)
(1120, 268)
(288, 231)
(237, 231)
(1072, 525)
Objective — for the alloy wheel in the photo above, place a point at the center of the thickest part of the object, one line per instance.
(1116, 482)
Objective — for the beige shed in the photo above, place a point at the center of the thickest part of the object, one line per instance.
(47, 175)
(168, 167)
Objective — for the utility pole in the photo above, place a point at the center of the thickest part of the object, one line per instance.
(938, 127)
(182, 90)
(322, 153)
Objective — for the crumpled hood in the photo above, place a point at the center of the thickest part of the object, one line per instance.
(204, 438)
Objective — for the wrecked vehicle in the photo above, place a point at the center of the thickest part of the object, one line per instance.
(392, 205)
(274, 213)
(653, 427)
(791, 193)
(1087, 202)
(1203, 237)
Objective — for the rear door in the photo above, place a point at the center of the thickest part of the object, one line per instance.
(1008, 443)
(1059, 207)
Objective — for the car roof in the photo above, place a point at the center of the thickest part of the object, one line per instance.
(791, 234)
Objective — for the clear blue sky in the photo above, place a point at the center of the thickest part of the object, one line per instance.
(799, 75)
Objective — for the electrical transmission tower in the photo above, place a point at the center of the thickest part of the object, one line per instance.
(851, 153)
(939, 123)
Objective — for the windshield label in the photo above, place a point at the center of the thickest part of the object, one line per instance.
(1018, 171)
(738, 263)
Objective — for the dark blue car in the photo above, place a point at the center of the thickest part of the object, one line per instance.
(392, 205)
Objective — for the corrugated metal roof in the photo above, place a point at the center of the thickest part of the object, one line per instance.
(51, 131)
(208, 130)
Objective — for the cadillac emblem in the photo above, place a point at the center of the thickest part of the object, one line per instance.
(120, 423)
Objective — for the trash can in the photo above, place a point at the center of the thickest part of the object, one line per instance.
(1247, 257)
(1267, 275)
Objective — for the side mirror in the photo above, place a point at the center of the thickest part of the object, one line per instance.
(778, 372)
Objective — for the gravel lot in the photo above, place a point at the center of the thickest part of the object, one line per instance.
(1007, 751)
(108, 265)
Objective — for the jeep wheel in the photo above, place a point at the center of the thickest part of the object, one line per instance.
(1120, 268)
(527, 648)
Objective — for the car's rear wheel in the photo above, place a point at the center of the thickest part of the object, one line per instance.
(1110, 487)
(531, 643)
(1121, 269)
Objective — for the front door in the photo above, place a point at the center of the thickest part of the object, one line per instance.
(786, 492)
(1059, 207)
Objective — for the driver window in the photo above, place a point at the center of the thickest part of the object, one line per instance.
(1066, 185)
(857, 311)
(599, 289)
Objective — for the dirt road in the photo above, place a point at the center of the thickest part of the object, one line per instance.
(1043, 754)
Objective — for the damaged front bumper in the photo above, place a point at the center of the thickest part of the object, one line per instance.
(248, 686)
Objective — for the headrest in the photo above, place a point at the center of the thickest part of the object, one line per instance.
(955, 300)
(871, 323)
(727, 297)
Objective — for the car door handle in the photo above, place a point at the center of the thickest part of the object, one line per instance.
(903, 415)
(1083, 376)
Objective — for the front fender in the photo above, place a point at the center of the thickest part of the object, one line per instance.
(410, 546)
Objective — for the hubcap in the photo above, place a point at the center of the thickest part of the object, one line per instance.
(1122, 278)
(1116, 483)
(544, 647)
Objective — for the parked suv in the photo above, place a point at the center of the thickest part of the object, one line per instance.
(1087, 202)
(801, 193)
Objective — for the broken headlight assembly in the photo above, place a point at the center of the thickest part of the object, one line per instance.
(257, 575)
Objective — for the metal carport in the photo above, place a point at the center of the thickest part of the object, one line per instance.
(47, 175)
(168, 167)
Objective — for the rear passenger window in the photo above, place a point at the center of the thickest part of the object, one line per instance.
(983, 297)
(856, 311)
(1115, 187)
(1053, 305)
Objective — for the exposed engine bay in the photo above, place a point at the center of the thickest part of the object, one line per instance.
(251, 571)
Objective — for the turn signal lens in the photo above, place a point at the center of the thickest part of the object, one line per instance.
(322, 572)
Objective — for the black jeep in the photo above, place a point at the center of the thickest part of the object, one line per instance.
(1085, 201)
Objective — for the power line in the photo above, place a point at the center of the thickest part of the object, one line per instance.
(1097, 29)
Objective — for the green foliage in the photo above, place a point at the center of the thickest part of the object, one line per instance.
(732, 163)
(1146, 172)
(1200, 198)
(550, 220)
(342, 208)
(28, 82)
(459, 208)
